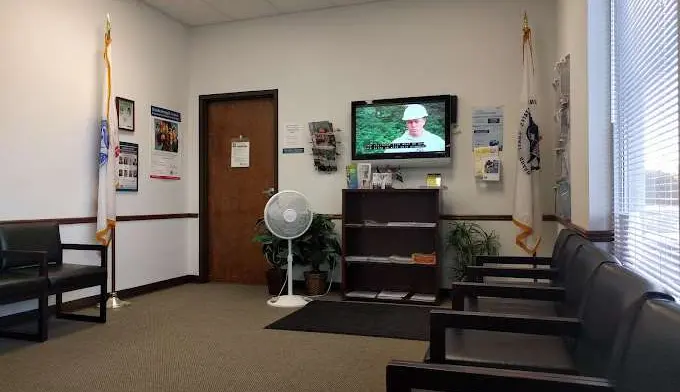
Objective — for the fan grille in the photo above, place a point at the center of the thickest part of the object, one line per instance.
(288, 214)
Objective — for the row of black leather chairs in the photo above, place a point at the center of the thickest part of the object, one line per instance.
(595, 325)
(33, 266)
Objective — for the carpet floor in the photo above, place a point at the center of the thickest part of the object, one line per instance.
(205, 338)
(358, 318)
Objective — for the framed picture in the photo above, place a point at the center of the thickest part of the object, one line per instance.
(128, 167)
(125, 109)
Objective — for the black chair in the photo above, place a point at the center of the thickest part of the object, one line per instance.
(646, 358)
(571, 345)
(21, 287)
(546, 268)
(61, 276)
(564, 300)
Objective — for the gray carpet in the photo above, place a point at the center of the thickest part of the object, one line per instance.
(198, 338)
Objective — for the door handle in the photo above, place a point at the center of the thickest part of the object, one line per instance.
(269, 192)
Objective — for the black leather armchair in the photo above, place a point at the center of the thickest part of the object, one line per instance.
(60, 276)
(549, 268)
(17, 287)
(565, 300)
(580, 345)
(646, 358)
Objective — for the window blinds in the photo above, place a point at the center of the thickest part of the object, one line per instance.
(644, 69)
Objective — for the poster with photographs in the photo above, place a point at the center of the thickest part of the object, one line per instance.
(165, 153)
(324, 146)
(128, 167)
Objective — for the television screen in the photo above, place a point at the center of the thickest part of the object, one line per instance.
(406, 128)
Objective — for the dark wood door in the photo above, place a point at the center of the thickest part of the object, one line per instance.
(237, 196)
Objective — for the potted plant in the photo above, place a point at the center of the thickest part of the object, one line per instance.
(275, 251)
(469, 240)
(318, 246)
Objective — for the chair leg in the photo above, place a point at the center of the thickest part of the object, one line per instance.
(43, 317)
(58, 303)
(101, 318)
(102, 302)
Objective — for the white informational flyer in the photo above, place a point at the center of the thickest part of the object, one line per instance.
(240, 153)
(294, 139)
(165, 154)
(487, 127)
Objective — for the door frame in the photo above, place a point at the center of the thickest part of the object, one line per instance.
(204, 220)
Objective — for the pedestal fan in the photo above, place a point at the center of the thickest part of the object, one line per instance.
(288, 215)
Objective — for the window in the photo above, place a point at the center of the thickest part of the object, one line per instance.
(644, 107)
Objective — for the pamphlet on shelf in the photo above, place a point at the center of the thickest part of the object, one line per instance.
(385, 294)
(361, 294)
(423, 297)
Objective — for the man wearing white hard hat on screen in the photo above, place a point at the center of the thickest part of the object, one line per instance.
(416, 138)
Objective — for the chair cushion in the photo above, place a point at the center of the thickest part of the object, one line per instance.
(650, 360)
(612, 294)
(31, 236)
(66, 277)
(585, 262)
(14, 287)
(507, 350)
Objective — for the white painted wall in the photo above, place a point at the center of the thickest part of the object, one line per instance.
(50, 100)
(321, 61)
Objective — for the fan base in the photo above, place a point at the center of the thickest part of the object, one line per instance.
(288, 301)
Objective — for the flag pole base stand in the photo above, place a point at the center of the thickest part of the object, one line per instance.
(114, 302)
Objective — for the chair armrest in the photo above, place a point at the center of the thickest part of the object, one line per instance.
(480, 271)
(460, 290)
(101, 248)
(441, 320)
(403, 376)
(513, 260)
(31, 255)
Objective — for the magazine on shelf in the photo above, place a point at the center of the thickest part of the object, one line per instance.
(386, 294)
(361, 294)
(423, 297)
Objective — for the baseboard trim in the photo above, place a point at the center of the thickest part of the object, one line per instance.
(87, 302)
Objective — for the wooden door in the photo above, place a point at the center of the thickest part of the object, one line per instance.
(237, 196)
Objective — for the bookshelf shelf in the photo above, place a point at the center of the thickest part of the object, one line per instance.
(379, 223)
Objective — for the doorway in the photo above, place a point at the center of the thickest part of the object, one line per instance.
(233, 198)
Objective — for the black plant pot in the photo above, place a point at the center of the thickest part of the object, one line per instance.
(275, 280)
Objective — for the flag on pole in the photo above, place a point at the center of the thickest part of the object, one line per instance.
(109, 150)
(527, 214)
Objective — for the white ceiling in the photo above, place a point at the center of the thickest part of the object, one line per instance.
(202, 12)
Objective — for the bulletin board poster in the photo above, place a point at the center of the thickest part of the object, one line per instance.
(487, 127)
(128, 167)
(165, 154)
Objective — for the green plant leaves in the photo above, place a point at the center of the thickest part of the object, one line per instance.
(468, 240)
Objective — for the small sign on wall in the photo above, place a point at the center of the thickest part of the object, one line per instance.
(240, 152)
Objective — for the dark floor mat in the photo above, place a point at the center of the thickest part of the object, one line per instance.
(359, 318)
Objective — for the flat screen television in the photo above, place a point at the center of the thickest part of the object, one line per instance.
(411, 131)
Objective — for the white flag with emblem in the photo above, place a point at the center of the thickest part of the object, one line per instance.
(109, 150)
(527, 214)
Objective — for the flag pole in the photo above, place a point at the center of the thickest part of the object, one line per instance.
(108, 180)
(114, 302)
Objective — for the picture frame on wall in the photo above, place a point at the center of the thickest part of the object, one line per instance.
(128, 167)
(125, 110)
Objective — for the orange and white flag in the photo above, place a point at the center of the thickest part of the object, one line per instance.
(527, 215)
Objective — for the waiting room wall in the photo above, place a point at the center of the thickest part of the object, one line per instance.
(51, 75)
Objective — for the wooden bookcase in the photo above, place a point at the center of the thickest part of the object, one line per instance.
(366, 233)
